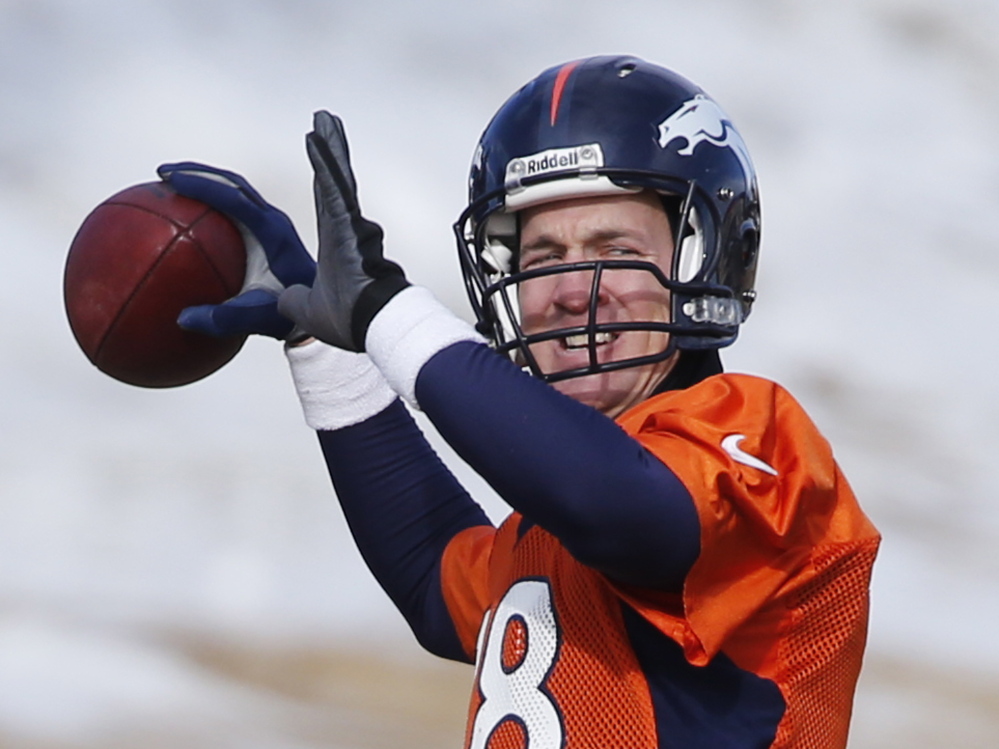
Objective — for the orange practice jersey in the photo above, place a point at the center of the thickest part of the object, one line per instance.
(764, 646)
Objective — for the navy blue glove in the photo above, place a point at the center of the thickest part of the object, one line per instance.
(354, 280)
(275, 256)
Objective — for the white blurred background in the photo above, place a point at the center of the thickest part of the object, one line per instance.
(173, 567)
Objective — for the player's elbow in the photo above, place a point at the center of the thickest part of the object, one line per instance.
(628, 559)
(436, 634)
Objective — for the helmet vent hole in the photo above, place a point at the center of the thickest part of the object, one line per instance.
(625, 70)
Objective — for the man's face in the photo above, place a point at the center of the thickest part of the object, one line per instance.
(625, 227)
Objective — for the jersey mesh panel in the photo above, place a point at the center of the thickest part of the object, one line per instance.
(822, 656)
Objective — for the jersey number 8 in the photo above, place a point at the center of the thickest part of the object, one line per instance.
(518, 646)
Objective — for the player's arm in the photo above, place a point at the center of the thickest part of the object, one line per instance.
(562, 464)
(402, 504)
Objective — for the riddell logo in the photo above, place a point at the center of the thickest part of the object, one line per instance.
(554, 160)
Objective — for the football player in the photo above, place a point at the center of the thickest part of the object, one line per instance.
(685, 564)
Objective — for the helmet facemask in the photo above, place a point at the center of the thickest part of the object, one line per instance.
(491, 247)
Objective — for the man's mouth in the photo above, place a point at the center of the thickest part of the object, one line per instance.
(582, 341)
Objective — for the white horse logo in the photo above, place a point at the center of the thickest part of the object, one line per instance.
(698, 120)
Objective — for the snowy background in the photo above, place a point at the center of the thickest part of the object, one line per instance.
(173, 568)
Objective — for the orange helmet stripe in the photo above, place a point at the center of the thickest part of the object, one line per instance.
(560, 80)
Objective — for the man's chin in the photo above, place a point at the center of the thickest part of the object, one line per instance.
(613, 393)
(599, 391)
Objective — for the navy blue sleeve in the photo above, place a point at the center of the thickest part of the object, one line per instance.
(563, 465)
(403, 506)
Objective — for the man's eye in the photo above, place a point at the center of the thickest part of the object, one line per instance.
(623, 252)
(540, 260)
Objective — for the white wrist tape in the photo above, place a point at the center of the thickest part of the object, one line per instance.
(407, 332)
(336, 388)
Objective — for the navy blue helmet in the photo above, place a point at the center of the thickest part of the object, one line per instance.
(610, 126)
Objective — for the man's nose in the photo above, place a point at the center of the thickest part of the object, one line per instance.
(574, 289)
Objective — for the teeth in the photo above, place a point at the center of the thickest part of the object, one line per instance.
(581, 340)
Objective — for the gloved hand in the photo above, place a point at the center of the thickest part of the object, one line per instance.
(275, 256)
(354, 280)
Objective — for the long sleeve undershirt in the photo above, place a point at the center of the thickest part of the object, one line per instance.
(562, 465)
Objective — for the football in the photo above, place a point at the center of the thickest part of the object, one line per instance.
(138, 259)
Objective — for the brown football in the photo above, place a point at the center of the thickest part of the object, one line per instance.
(139, 258)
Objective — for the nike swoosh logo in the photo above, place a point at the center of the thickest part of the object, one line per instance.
(731, 445)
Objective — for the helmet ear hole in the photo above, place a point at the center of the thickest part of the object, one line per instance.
(749, 235)
(749, 248)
